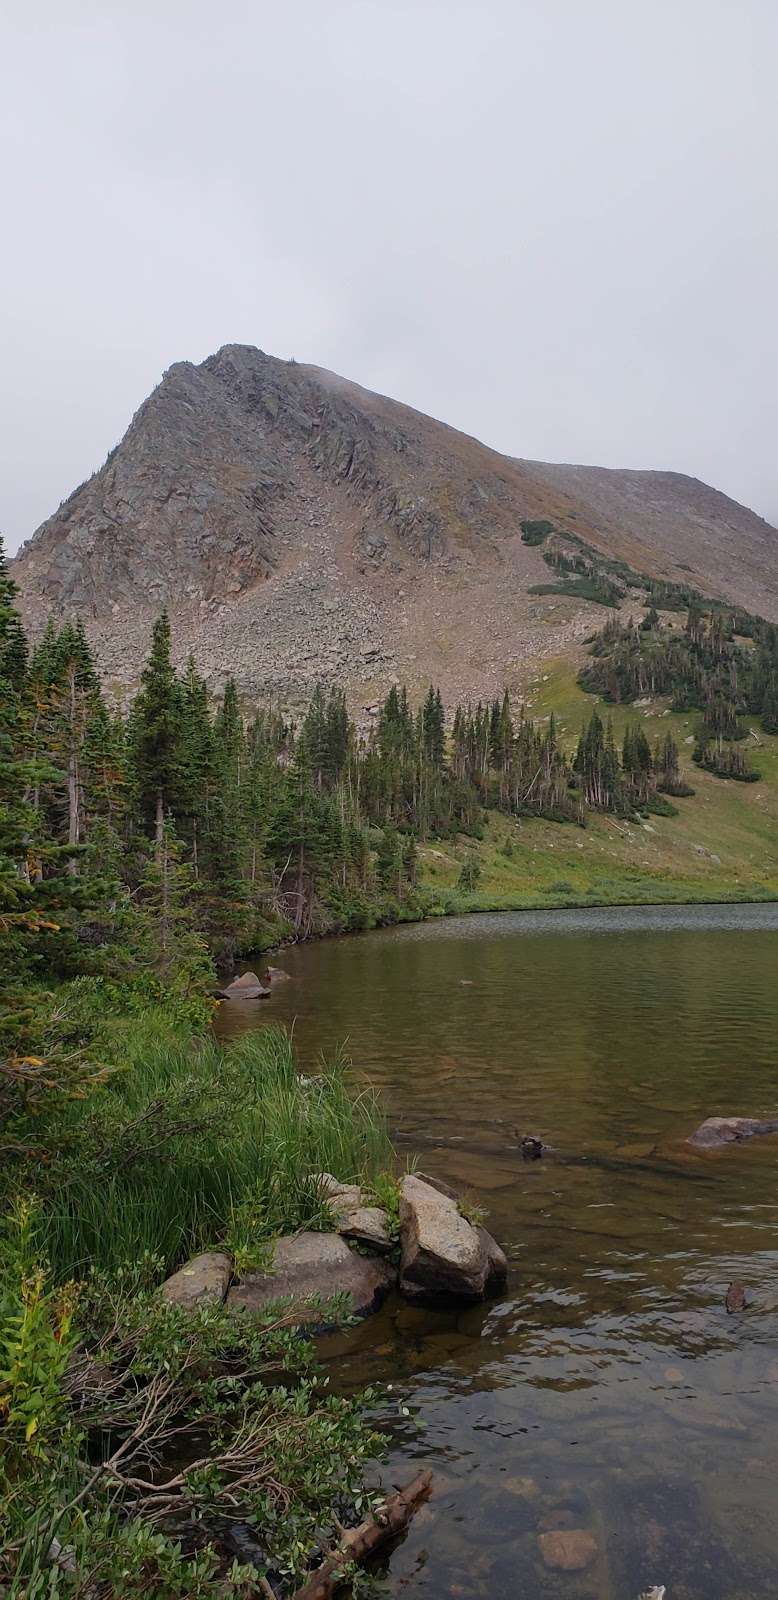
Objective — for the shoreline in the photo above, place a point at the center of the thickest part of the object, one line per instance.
(506, 907)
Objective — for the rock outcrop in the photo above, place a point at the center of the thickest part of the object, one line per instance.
(443, 1259)
(300, 528)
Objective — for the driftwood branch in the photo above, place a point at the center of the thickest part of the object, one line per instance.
(358, 1544)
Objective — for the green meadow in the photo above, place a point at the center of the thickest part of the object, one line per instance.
(722, 844)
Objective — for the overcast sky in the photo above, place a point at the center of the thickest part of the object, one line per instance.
(552, 223)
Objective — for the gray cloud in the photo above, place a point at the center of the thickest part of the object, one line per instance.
(550, 222)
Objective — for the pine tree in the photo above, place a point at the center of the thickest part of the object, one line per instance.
(157, 734)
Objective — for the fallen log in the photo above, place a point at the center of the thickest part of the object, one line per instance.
(358, 1544)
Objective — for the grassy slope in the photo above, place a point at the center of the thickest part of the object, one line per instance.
(723, 845)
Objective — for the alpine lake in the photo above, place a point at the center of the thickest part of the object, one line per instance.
(608, 1391)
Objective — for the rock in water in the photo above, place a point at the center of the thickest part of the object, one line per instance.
(715, 1132)
(314, 1264)
(443, 1257)
(567, 1549)
(531, 1147)
(247, 987)
(736, 1297)
(203, 1281)
(496, 1263)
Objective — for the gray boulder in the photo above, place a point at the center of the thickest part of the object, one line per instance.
(313, 1264)
(718, 1131)
(202, 1281)
(363, 1224)
(368, 1226)
(247, 987)
(443, 1256)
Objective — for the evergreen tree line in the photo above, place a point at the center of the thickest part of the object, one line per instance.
(724, 665)
(183, 831)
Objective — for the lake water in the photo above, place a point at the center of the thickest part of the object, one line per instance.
(607, 1390)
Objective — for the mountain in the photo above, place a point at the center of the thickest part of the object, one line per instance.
(300, 527)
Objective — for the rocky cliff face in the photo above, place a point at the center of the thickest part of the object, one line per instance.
(299, 527)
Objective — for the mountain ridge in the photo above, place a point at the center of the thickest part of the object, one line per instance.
(299, 526)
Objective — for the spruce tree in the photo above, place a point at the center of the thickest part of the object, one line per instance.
(157, 735)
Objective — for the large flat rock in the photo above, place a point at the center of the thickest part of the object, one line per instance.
(202, 1281)
(443, 1256)
(314, 1264)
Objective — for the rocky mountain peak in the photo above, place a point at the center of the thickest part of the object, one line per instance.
(300, 527)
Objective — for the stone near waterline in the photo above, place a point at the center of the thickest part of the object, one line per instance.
(202, 1281)
(715, 1132)
(496, 1263)
(313, 1264)
(443, 1256)
(247, 987)
(567, 1549)
(278, 975)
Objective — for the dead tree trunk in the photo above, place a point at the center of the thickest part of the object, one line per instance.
(358, 1544)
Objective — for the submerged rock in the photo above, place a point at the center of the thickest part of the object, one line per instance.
(314, 1264)
(567, 1549)
(278, 975)
(202, 1281)
(443, 1256)
(715, 1132)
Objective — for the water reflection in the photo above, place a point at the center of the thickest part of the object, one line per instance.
(608, 1392)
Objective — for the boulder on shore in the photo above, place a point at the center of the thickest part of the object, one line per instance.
(247, 987)
(443, 1257)
(355, 1219)
(715, 1132)
(202, 1281)
(313, 1264)
(366, 1225)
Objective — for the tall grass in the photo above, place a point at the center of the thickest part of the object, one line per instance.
(193, 1143)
